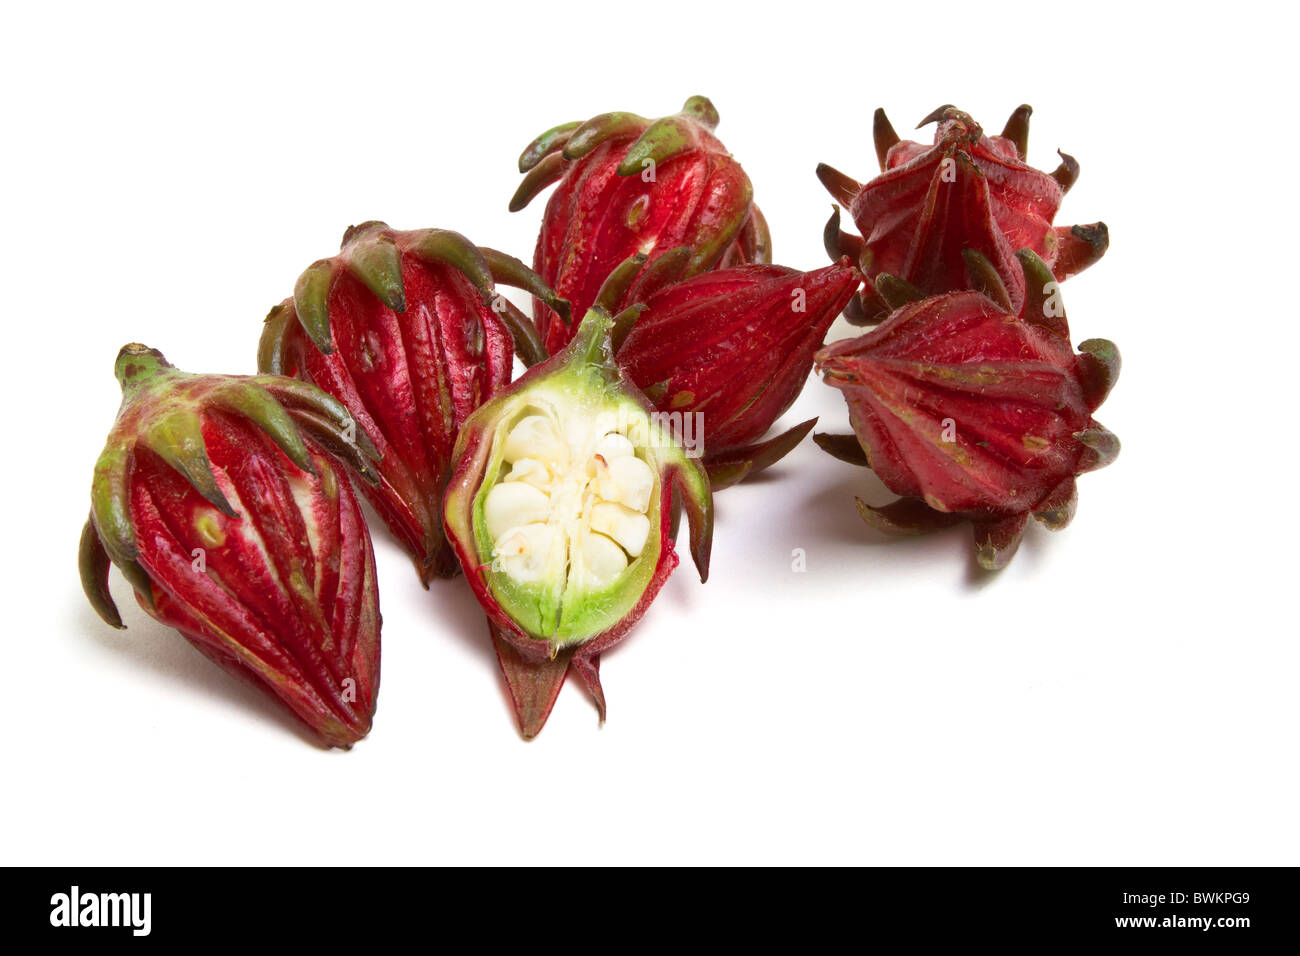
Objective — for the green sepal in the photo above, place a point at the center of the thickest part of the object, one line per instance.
(270, 348)
(528, 341)
(553, 139)
(326, 420)
(897, 292)
(670, 136)
(452, 249)
(110, 501)
(376, 261)
(596, 130)
(624, 323)
(508, 270)
(1040, 288)
(668, 268)
(548, 171)
(311, 295)
(691, 482)
(260, 407)
(176, 437)
(591, 347)
(984, 278)
(702, 110)
(139, 366)
(93, 563)
(662, 140)
(616, 284)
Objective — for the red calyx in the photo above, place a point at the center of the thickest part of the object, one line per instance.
(736, 346)
(974, 411)
(300, 619)
(630, 185)
(234, 527)
(406, 329)
(967, 191)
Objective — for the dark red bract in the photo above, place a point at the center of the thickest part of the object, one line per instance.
(972, 410)
(967, 191)
(735, 346)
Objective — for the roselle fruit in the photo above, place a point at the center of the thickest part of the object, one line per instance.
(561, 510)
(216, 499)
(975, 410)
(966, 191)
(724, 354)
(406, 329)
(631, 185)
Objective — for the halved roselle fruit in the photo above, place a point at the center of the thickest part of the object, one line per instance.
(216, 499)
(630, 185)
(561, 509)
(967, 191)
(974, 410)
(407, 330)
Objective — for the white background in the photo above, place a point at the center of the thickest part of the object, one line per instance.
(1124, 693)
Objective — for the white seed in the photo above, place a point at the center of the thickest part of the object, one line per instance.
(534, 437)
(629, 528)
(511, 504)
(614, 446)
(602, 559)
(630, 483)
(530, 471)
(525, 552)
(574, 489)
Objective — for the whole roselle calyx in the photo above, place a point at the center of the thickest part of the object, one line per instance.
(407, 330)
(631, 185)
(966, 191)
(975, 411)
(215, 498)
(727, 352)
(561, 512)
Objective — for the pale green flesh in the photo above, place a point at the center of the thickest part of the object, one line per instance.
(563, 608)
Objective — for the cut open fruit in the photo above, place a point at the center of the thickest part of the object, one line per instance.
(577, 496)
(560, 507)
(561, 511)
(565, 517)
